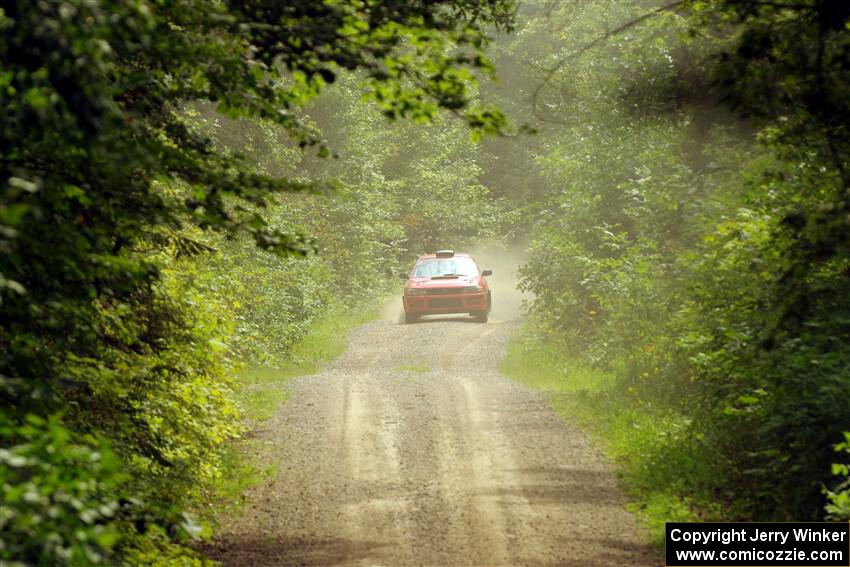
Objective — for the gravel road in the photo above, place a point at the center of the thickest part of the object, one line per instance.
(411, 449)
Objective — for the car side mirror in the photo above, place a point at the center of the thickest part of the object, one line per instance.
(402, 275)
(487, 273)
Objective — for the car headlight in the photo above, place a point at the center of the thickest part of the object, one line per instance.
(414, 291)
(473, 289)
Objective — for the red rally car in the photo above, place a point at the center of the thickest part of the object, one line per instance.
(445, 282)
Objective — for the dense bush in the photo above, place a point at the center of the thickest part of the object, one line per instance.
(59, 494)
(839, 498)
(703, 255)
(116, 316)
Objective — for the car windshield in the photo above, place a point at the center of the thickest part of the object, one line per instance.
(457, 266)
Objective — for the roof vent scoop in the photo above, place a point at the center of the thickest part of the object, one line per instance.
(445, 253)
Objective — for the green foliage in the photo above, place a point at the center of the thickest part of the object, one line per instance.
(60, 494)
(416, 186)
(839, 498)
(166, 411)
(158, 387)
(274, 300)
(127, 282)
(774, 364)
(700, 256)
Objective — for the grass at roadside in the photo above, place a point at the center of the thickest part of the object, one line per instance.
(262, 389)
(663, 467)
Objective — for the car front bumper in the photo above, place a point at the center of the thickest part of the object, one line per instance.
(446, 303)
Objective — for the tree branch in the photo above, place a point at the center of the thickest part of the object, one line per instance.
(549, 73)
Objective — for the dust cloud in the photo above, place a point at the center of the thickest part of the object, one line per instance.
(505, 263)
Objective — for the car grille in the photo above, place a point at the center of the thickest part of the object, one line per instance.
(442, 290)
(443, 302)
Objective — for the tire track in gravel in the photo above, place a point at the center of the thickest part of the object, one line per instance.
(456, 465)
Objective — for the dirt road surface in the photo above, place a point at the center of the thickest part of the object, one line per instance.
(411, 449)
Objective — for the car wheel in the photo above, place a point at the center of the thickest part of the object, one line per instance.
(481, 317)
(410, 318)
